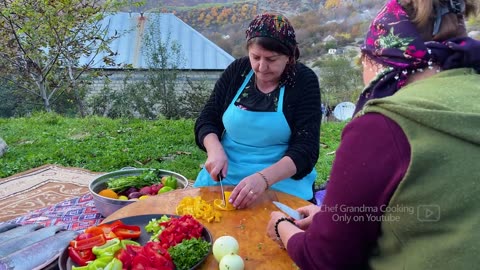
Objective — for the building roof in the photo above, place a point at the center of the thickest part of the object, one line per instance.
(196, 51)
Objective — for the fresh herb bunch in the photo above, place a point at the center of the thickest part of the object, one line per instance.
(147, 178)
(189, 252)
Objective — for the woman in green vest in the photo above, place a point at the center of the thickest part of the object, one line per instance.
(405, 183)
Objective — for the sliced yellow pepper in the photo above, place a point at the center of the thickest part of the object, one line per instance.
(198, 208)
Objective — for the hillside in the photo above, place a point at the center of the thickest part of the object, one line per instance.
(224, 21)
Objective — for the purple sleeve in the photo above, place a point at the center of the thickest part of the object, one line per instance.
(371, 160)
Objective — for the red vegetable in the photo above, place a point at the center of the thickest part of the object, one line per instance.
(125, 257)
(158, 256)
(140, 261)
(88, 243)
(84, 235)
(94, 230)
(80, 257)
(151, 256)
(178, 229)
(127, 231)
(146, 190)
(155, 188)
(108, 228)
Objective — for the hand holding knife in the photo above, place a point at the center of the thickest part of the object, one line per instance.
(288, 210)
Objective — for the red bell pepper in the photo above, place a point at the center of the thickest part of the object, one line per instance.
(108, 227)
(127, 231)
(125, 257)
(94, 230)
(84, 235)
(88, 243)
(105, 229)
(81, 257)
(116, 229)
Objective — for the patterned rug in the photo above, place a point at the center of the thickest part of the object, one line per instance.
(48, 194)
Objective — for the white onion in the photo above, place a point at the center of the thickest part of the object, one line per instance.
(231, 261)
(224, 245)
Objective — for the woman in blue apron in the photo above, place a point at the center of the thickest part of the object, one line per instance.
(261, 125)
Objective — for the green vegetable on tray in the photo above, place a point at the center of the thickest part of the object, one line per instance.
(147, 178)
(189, 252)
(155, 228)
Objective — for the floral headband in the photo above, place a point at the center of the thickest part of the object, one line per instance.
(273, 26)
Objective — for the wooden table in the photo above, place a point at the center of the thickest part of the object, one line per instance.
(248, 226)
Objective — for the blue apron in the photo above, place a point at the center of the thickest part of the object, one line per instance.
(253, 141)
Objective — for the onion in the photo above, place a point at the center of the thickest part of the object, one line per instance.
(224, 245)
(134, 195)
(231, 261)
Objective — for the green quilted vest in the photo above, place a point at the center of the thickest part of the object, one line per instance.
(433, 218)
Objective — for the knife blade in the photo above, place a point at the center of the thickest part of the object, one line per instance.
(220, 179)
(288, 210)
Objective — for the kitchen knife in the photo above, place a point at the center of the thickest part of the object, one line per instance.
(220, 179)
(287, 210)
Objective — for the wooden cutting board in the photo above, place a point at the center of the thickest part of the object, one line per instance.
(248, 226)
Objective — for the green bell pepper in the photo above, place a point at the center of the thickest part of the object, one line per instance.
(126, 242)
(100, 263)
(105, 255)
(115, 264)
(170, 181)
(110, 248)
(165, 189)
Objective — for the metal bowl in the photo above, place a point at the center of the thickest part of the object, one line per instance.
(106, 206)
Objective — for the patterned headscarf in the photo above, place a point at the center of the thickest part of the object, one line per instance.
(394, 42)
(274, 26)
(277, 27)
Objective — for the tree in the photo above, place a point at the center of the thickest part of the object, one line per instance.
(340, 79)
(88, 38)
(332, 4)
(45, 39)
(165, 60)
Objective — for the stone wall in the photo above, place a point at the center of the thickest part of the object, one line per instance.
(117, 79)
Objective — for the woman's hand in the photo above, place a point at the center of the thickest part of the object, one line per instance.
(216, 163)
(274, 217)
(247, 191)
(308, 212)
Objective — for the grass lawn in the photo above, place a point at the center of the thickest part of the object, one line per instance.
(104, 145)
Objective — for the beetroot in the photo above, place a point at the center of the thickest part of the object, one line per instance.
(155, 188)
(146, 190)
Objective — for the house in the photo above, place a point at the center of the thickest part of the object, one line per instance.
(201, 58)
(329, 39)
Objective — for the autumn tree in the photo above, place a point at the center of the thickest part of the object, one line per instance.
(332, 4)
(45, 39)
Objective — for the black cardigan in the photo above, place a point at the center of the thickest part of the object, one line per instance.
(301, 107)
